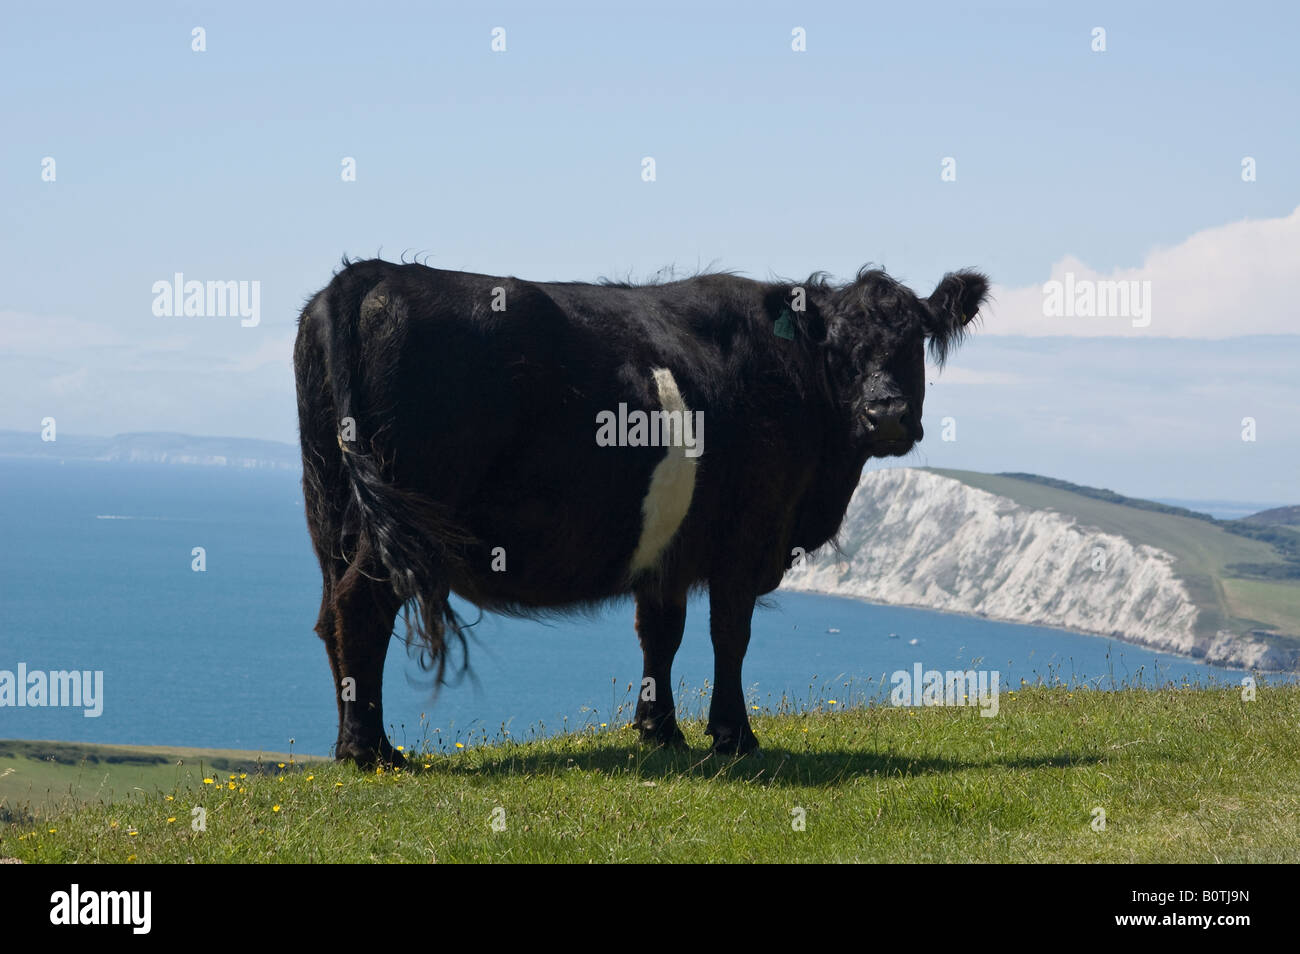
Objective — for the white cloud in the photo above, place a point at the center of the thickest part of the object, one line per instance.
(1221, 282)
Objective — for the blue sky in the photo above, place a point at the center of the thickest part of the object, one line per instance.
(225, 164)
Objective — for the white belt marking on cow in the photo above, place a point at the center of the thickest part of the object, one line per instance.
(671, 486)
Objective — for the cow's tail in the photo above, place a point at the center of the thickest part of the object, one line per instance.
(414, 537)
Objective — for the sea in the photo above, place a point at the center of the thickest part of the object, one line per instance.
(98, 574)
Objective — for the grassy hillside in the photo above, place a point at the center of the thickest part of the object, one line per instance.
(38, 779)
(1182, 775)
(1278, 516)
(1205, 552)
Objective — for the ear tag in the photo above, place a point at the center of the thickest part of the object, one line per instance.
(784, 327)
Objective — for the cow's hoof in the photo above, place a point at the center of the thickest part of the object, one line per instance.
(665, 735)
(369, 756)
(727, 742)
(390, 757)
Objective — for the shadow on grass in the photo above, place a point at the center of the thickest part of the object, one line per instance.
(774, 766)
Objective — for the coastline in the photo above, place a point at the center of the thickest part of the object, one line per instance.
(1225, 661)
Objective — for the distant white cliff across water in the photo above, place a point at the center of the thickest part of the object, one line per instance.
(923, 538)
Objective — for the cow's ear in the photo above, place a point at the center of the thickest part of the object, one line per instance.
(952, 308)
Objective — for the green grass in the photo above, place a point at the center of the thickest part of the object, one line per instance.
(1183, 775)
(38, 779)
(1202, 550)
(1272, 602)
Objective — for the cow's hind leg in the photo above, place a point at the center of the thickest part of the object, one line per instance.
(327, 630)
(364, 610)
(731, 609)
(659, 624)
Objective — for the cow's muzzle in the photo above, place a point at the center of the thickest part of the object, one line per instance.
(889, 423)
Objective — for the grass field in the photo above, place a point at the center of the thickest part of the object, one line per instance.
(38, 779)
(1202, 550)
(1182, 775)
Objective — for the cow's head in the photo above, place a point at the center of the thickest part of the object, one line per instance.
(876, 333)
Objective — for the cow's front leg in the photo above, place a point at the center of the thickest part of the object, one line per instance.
(659, 624)
(730, 610)
(365, 609)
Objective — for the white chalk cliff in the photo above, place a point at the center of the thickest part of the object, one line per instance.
(915, 538)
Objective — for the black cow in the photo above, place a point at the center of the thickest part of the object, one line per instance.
(538, 446)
